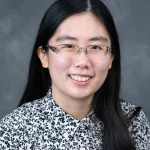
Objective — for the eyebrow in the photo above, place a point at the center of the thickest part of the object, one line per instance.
(66, 37)
(99, 38)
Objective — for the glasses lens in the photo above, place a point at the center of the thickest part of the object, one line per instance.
(67, 50)
(97, 51)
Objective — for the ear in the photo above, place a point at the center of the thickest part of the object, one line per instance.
(111, 61)
(43, 56)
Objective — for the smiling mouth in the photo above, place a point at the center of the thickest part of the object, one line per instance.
(80, 78)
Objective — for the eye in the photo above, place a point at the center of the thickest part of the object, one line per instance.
(68, 46)
(96, 47)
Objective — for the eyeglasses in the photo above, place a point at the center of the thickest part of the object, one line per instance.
(70, 50)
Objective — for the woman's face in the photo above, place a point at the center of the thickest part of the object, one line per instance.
(82, 30)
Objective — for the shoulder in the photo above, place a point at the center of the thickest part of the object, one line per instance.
(127, 107)
(15, 125)
(140, 131)
(139, 126)
(23, 112)
(29, 110)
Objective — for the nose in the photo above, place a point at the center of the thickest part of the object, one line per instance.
(82, 60)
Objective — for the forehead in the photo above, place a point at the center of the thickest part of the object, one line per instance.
(82, 26)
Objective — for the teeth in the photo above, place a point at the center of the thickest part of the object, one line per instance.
(79, 78)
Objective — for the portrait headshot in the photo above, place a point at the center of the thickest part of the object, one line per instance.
(75, 75)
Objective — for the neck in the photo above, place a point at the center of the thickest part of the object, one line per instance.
(77, 108)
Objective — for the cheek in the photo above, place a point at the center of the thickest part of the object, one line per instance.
(59, 64)
(102, 69)
(101, 73)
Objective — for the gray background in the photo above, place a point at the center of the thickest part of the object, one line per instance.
(19, 22)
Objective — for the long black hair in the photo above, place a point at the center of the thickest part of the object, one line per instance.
(106, 100)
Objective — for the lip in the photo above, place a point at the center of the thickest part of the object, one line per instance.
(80, 82)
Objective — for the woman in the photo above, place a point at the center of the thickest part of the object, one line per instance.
(71, 100)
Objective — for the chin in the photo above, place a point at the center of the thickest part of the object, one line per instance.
(81, 95)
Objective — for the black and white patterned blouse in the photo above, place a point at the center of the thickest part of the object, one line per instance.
(43, 125)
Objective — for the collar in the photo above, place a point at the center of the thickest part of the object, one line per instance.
(64, 123)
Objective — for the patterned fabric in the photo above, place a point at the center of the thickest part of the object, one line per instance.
(43, 125)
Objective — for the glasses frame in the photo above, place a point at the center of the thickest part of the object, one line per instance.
(54, 49)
